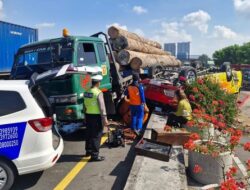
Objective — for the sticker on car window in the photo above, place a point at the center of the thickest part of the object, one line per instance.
(11, 138)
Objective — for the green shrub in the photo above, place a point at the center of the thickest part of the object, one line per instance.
(209, 96)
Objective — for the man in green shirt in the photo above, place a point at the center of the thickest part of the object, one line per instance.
(96, 118)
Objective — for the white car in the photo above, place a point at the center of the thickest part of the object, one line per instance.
(29, 140)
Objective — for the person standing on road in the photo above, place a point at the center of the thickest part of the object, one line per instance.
(134, 95)
(183, 113)
(96, 118)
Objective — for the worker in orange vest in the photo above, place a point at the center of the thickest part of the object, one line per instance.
(134, 95)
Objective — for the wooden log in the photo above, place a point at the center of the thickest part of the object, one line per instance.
(114, 32)
(139, 60)
(123, 57)
(122, 42)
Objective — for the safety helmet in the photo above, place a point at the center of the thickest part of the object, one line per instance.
(97, 78)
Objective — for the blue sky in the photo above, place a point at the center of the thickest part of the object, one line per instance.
(208, 24)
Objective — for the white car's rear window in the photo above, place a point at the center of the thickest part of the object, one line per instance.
(10, 102)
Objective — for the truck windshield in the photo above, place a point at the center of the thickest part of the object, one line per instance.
(49, 53)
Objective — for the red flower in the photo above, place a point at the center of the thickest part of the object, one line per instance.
(190, 123)
(194, 136)
(233, 170)
(229, 175)
(229, 184)
(221, 125)
(191, 98)
(200, 81)
(196, 111)
(247, 146)
(214, 120)
(207, 117)
(190, 145)
(201, 96)
(231, 130)
(197, 169)
(215, 103)
(195, 90)
(241, 185)
(221, 117)
(221, 102)
(234, 140)
(238, 133)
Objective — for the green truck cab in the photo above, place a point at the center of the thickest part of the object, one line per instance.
(66, 93)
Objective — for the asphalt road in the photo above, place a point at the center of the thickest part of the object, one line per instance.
(109, 174)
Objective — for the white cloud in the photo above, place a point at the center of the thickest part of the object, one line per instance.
(139, 10)
(198, 19)
(242, 6)
(172, 32)
(124, 27)
(139, 32)
(224, 32)
(45, 25)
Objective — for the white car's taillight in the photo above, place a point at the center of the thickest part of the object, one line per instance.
(41, 125)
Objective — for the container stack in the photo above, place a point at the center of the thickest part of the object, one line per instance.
(135, 52)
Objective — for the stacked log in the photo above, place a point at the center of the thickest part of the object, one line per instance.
(114, 32)
(138, 52)
(122, 42)
(139, 60)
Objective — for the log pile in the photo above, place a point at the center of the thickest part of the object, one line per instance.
(137, 52)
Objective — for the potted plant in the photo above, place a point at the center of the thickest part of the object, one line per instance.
(214, 135)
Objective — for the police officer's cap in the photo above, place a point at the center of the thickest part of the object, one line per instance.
(97, 78)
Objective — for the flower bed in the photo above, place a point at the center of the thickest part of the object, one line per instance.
(213, 124)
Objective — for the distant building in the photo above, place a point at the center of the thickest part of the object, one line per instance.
(170, 47)
(183, 50)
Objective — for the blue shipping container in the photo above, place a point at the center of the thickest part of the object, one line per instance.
(12, 37)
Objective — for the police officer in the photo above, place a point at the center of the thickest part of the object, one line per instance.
(134, 95)
(96, 118)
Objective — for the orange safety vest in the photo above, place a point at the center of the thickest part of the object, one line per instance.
(134, 96)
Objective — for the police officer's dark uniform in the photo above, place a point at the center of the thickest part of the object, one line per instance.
(95, 118)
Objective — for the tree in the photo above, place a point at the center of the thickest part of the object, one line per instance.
(234, 54)
(204, 58)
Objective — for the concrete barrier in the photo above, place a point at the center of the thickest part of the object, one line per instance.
(148, 173)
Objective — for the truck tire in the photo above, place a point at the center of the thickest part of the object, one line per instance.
(7, 175)
(189, 73)
(153, 70)
(225, 67)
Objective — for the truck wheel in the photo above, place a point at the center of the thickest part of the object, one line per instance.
(154, 70)
(189, 73)
(7, 175)
(227, 68)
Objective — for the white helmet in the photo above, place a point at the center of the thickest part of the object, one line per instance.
(97, 78)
